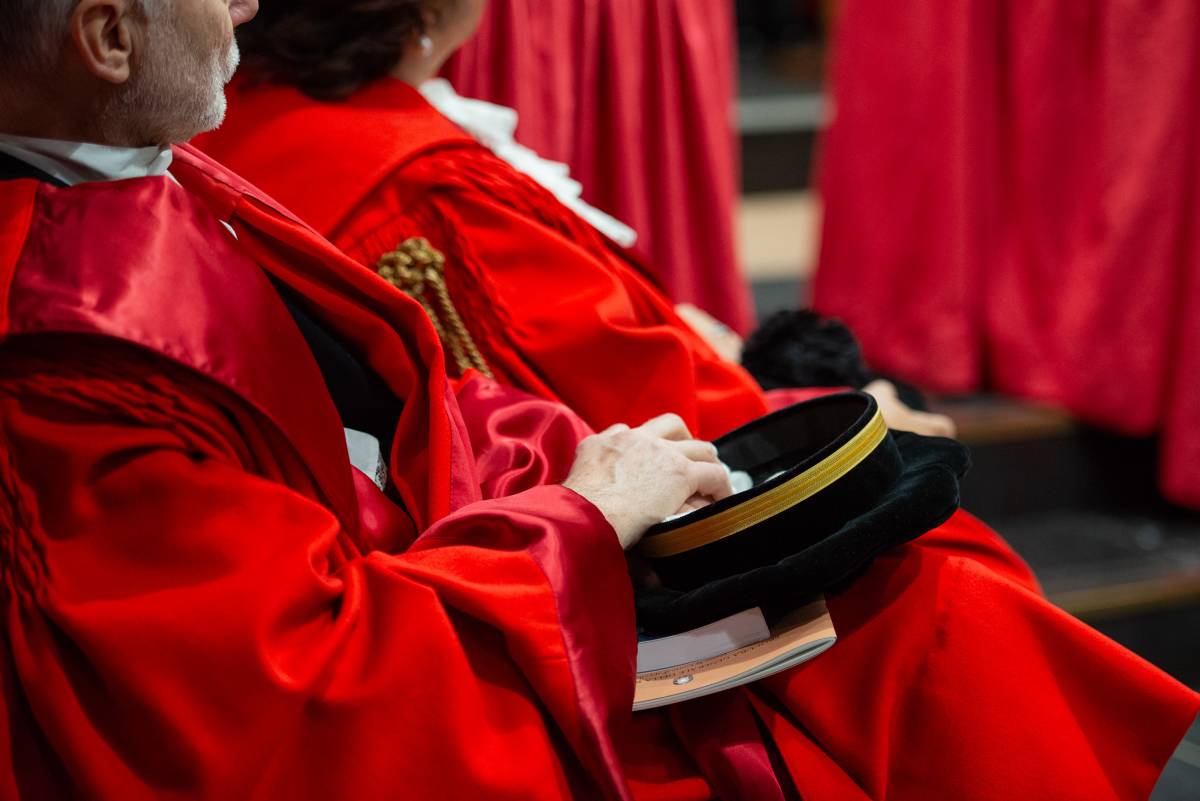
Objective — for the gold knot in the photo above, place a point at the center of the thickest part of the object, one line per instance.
(413, 265)
(419, 270)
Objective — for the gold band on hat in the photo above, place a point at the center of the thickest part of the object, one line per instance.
(772, 502)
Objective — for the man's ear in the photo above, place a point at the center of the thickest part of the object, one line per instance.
(105, 33)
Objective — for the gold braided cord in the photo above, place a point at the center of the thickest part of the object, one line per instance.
(419, 270)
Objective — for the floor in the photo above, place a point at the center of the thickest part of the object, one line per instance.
(1181, 779)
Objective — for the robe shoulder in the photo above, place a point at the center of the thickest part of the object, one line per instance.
(540, 291)
(555, 308)
(148, 263)
(122, 260)
(346, 148)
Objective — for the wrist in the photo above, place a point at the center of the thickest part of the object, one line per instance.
(625, 526)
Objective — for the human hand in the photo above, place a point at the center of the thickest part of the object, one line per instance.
(901, 417)
(639, 476)
(720, 337)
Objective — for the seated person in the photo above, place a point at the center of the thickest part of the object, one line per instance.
(414, 172)
(219, 440)
(330, 123)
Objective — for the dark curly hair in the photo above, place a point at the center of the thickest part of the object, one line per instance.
(330, 48)
(799, 348)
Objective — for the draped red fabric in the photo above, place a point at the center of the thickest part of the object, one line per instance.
(636, 97)
(1010, 203)
(945, 645)
(413, 173)
(188, 602)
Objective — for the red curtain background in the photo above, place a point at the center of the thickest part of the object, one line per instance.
(637, 97)
(1011, 203)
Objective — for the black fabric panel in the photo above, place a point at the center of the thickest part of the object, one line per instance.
(364, 402)
(13, 169)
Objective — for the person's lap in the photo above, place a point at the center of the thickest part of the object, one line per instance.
(952, 677)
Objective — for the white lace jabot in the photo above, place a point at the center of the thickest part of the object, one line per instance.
(494, 126)
(80, 162)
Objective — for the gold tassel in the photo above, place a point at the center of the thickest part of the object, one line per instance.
(419, 271)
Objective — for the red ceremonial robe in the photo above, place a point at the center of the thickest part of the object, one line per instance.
(196, 598)
(637, 98)
(1010, 203)
(410, 171)
(945, 647)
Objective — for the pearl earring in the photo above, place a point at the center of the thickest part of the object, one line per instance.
(426, 45)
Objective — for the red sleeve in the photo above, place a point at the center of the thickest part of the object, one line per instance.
(519, 441)
(554, 309)
(180, 621)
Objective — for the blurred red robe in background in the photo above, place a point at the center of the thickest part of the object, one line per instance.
(1011, 205)
(637, 98)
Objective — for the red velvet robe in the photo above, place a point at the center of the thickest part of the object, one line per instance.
(1010, 203)
(945, 646)
(637, 98)
(412, 170)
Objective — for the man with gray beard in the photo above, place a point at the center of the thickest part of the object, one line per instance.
(219, 442)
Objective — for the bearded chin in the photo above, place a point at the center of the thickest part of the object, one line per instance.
(230, 61)
(168, 102)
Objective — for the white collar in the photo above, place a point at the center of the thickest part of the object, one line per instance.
(491, 124)
(79, 162)
(493, 127)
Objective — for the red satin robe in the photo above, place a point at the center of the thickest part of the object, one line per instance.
(202, 599)
(1010, 203)
(945, 646)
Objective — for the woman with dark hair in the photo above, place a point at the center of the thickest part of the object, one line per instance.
(457, 177)
(952, 676)
(331, 50)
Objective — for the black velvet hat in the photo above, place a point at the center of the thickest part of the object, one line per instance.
(832, 488)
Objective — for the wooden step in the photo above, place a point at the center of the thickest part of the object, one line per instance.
(984, 420)
(1103, 565)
